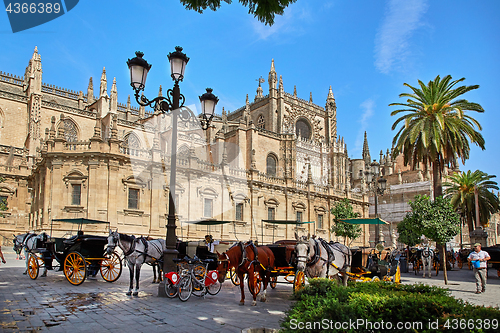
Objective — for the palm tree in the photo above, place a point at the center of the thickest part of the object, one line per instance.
(461, 190)
(436, 129)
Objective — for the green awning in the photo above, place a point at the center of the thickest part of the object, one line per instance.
(285, 221)
(210, 222)
(364, 221)
(80, 221)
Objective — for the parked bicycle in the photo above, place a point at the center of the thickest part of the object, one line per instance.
(192, 277)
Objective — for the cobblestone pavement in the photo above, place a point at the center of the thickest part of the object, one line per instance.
(52, 304)
(462, 284)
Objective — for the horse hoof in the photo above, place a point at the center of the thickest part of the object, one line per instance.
(43, 275)
(25, 273)
(254, 303)
(129, 293)
(242, 302)
(136, 293)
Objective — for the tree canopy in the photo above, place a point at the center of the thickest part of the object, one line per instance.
(344, 210)
(460, 189)
(436, 220)
(263, 10)
(435, 127)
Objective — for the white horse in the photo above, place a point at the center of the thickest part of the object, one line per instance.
(317, 258)
(137, 251)
(27, 242)
(427, 259)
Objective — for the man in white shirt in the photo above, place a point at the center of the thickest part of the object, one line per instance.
(480, 272)
(209, 241)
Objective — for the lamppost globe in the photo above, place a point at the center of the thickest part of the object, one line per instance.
(178, 61)
(383, 184)
(375, 168)
(139, 69)
(208, 102)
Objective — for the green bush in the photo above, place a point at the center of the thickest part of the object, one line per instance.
(324, 306)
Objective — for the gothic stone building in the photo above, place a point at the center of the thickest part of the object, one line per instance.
(66, 154)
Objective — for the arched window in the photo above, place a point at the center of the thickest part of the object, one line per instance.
(303, 129)
(70, 131)
(131, 141)
(271, 165)
(261, 122)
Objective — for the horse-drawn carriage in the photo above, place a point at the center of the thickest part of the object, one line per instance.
(375, 264)
(78, 256)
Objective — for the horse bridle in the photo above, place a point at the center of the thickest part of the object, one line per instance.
(307, 258)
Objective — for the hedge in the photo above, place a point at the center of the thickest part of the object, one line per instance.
(325, 306)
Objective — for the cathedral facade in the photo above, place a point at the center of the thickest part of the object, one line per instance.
(66, 154)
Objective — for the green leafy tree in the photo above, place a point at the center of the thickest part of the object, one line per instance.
(344, 210)
(436, 128)
(436, 220)
(407, 233)
(263, 10)
(460, 189)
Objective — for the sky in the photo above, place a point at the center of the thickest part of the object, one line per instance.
(365, 50)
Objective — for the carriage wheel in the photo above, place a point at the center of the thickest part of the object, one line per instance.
(111, 267)
(185, 288)
(234, 277)
(170, 289)
(75, 268)
(257, 284)
(299, 281)
(375, 279)
(273, 281)
(33, 267)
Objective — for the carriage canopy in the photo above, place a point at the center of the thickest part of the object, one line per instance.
(365, 221)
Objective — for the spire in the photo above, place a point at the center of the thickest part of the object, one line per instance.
(366, 151)
(330, 95)
(160, 92)
(310, 97)
(295, 91)
(97, 127)
(90, 92)
(142, 110)
(103, 90)
(281, 85)
(114, 97)
(60, 130)
(52, 132)
(272, 79)
(128, 103)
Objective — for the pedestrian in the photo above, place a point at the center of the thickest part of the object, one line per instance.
(478, 259)
(1, 255)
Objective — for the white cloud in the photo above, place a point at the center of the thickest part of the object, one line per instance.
(283, 24)
(368, 108)
(392, 44)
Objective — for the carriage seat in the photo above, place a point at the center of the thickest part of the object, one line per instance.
(73, 239)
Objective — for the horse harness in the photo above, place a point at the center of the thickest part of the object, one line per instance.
(25, 240)
(331, 255)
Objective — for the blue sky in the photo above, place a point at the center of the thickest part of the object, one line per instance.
(364, 49)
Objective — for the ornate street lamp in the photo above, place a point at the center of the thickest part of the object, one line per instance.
(172, 103)
(378, 185)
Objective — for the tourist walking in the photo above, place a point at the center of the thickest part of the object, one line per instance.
(478, 258)
(1, 255)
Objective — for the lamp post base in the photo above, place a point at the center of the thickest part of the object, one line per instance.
(168, 266)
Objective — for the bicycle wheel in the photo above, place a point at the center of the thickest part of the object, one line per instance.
(185, 288)
(214, 288)
(171, 289)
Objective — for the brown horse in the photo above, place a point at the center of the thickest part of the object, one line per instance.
(246, 259)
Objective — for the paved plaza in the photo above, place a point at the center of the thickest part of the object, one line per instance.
(52, 304)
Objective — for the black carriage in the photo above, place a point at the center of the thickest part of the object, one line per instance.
(494, 262)
(374, 264)
(78, 256)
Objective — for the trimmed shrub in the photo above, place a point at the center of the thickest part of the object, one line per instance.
(325, 306)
